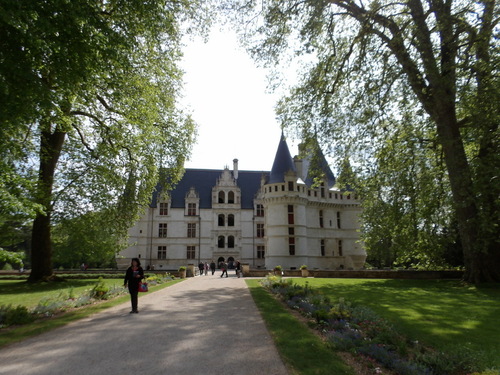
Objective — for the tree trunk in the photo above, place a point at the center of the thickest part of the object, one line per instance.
(481, 257)
(41, 250)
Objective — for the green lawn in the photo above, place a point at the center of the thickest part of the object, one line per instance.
(16, 292)
(445, 314)
(302, 351)
(19, 292)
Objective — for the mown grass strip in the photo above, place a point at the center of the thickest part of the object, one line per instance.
(303, 352)
(15, 334)
(445, 314)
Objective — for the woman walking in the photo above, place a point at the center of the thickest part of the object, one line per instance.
(133, 277)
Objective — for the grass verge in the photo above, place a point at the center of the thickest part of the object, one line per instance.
(303, 352)
(15, 334)
(445, 314)
(20, 292)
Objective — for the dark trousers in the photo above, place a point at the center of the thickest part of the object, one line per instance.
(133, 298)
(213, 270)
(224, 272)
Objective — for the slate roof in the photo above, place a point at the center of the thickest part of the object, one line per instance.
(203, 180)
(320, 161)
(283, 163)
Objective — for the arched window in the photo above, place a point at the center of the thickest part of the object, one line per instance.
(230, 220)
(222, 197)
(230, 241)
(220, 242)
(222, 220)
(230, 197)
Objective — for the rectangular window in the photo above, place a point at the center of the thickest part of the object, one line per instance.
(162, 252)
(191, 233)
(260, 210)
(261, 253)
(162, 230)
(291, 231)
(191, 252)
(191, 209)
(340, 248)
(321, 218)
(290, 185)
(322, 192)
(260, 230)
(163, 208)
(290, 214)
(338, 219)
(291, 245)
(323, 248)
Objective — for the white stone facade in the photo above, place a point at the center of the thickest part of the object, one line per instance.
(246, 216)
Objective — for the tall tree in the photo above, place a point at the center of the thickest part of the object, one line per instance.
(89, 93)
(368, 61)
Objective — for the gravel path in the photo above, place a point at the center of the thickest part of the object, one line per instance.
(203, 325)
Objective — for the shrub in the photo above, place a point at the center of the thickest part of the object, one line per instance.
(379, 353)
(321, 316)
(345, 340)
(100, 290)
(341, 310)
(14, 315)
(487, 372)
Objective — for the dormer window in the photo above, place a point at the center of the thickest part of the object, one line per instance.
(230, 197)
(191, 209)
(164, 208)
(222, 197)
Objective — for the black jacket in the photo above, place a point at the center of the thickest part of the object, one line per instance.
(133, 282)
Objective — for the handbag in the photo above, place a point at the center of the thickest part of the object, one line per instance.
(143, 287)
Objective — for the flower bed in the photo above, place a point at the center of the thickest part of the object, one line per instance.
(17, 315)
(360, 331)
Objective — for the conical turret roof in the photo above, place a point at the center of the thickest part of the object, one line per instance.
(283, 162)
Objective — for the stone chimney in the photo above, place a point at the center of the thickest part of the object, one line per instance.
(235, 169)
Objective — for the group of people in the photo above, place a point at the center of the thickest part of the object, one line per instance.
(204, 267)
(135, 274)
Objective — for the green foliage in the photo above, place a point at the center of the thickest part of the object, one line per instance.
(11, 258)
(100, 290)
(14, 315)
(90, 94)
(89, 239)
(405, 94)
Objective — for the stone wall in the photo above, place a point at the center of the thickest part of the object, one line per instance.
(364, 274)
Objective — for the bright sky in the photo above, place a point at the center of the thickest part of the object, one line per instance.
(226, 93)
